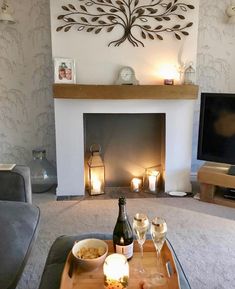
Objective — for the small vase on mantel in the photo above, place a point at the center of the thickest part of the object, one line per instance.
(43, 173)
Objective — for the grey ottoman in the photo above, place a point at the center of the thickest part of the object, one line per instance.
(58, 254)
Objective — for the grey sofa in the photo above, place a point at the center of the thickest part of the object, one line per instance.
(18, 224)
(15, 185)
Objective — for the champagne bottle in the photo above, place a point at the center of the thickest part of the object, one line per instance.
(122, 233)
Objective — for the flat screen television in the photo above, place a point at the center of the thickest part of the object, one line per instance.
(216, 140)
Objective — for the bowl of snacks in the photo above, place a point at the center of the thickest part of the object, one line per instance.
(90, 253)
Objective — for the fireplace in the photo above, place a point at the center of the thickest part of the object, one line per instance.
(130, 144)
(70, 110)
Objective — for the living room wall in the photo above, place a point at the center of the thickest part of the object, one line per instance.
(215, 57)
(26, 103)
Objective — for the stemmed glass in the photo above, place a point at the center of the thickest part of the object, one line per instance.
(140, 226)
(158, 232)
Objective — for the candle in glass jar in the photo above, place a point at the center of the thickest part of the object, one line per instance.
(116, 271)
(152, 183)
(136, 184)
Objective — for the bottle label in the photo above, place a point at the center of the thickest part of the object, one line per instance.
(127, 251)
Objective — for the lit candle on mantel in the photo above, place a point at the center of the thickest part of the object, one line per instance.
(153, 181)
(96, 184)
(136, 184)
(169, 73)
(116, 271)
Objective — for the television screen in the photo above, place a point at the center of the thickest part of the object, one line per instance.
(216, 141)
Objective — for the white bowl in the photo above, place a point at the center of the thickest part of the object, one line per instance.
(90, 264)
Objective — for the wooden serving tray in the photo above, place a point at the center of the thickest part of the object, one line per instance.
(73, 278)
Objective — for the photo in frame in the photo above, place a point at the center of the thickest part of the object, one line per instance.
(64, 70)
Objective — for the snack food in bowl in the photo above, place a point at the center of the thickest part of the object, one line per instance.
(90, 253)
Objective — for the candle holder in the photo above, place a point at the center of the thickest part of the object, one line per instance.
(116, 271)
(96, 171)
(151, 180)
(169, 81)
(136, 185)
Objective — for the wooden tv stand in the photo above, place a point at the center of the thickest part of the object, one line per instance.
(212, 177)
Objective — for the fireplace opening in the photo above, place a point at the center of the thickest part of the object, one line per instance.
(130, 144)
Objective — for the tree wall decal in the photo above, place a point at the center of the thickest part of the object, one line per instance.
(138, 19)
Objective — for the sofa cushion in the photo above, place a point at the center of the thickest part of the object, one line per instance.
(18, 223)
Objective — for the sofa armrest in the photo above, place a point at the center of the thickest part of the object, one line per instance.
(15, 185)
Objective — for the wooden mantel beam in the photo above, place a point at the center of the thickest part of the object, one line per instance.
(84, 91)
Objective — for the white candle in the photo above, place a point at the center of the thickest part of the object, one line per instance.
(152, 183)
(96, 185)
(116, 271)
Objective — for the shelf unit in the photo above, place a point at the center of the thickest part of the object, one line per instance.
(212, 177)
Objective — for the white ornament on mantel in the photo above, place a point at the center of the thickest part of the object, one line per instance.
(230, 12)
(189, 75)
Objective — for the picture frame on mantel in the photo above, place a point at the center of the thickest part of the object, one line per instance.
(64, 70)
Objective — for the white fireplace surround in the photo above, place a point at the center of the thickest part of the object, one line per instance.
(70, 138)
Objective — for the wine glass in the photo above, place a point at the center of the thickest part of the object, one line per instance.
(158, 232)
(140, 227)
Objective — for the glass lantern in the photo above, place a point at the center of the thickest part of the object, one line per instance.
(96, 171)
(151, 180)
(189, 75)
(42, 172)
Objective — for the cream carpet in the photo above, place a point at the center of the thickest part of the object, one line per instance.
(202, 234)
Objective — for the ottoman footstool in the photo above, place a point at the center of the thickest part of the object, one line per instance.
(58, 254)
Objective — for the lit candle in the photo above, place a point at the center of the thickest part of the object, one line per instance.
(153, 181)
(136, 184)
(96, 184)
(169, 81)
(116, 271)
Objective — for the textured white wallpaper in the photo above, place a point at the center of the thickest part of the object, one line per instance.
(215, 58)
(26, 103)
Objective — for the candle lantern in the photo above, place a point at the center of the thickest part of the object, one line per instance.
(189, 75)
(116, 271)
(96, 171)
(151, 180)
(136, 185)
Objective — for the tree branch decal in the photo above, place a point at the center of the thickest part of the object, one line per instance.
(137, 20)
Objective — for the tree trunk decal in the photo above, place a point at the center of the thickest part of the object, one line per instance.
(138, 19)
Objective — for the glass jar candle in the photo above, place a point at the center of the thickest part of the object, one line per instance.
(116, 271)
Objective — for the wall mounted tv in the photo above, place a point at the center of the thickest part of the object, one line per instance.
(216, 140)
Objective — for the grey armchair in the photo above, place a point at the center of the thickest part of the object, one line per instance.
(15, 185)
(18, 223)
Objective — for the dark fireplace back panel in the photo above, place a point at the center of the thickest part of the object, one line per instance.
(130, 143)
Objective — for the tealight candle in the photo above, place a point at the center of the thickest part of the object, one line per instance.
(169, 81)
(136, 184)
(116, 271)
